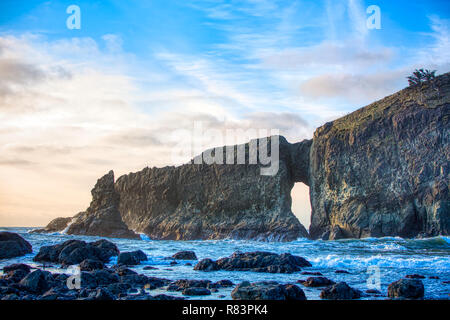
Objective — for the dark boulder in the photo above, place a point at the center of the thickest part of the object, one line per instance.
(263, 262)
(105, 277)
(75, 251)
(317, 282)
(131, 258)
(196, 291)
(267, 290)
(180, 285)
(340, 291)
(37, 281)
(12, 245)
(17, 266)
(406, 289)
(185, 255)
(90, 265)
(206, 265)
(415, 276)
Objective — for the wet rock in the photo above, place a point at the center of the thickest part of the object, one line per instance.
(91, 265)
(317, 282)
(166, 297)
(118, 288)
(185, 255)
(37, 281)
(75, 251)
(267, 290)
(257, 262)
(223, 284)
(105, 277)
(415, 276)
(172, 263)
(17, 266)
(309, 273)
(406, 289)
(180, 285)
(433, 277)
(340, 291)
(102, 294)
(293, 292)
(196, 291)
(16, 275)
(131, 258)
(12, 245)
(122, 270)
(206, 265)
(150, 268)
(373, 291)
(56, 225)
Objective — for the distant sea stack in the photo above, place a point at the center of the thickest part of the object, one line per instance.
(382, 170)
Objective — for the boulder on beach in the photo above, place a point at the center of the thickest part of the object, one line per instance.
(37, 281)
(267, 290)
(206, 265)
(185, 255)
(131, 258)
(75, 251)
(91, 264)
(12, 245)
(196, 291)
(317, 282)
(340, 291)
(256, 261)
(406, 289)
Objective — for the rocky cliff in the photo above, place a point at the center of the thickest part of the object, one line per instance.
(199, 201)
(383, 170)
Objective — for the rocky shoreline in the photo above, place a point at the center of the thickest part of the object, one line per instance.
(96, 281)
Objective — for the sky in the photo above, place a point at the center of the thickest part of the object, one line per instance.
(118, 92)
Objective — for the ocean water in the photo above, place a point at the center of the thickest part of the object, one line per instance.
(390, 258)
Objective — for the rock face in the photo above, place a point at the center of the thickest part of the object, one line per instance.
(383, 170)
(12, 245)
(102, 218)
(256, 262)
(56, 225)
(267, 290)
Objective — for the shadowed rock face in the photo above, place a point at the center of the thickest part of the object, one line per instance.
(383, 170)
(199, 201)
(102, 218)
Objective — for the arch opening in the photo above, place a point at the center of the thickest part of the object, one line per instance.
(301, 204)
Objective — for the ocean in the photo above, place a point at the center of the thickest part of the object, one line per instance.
(370, 262)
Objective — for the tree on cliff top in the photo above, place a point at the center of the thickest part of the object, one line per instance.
(420, 75)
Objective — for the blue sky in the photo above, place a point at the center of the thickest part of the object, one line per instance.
(76, 103)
